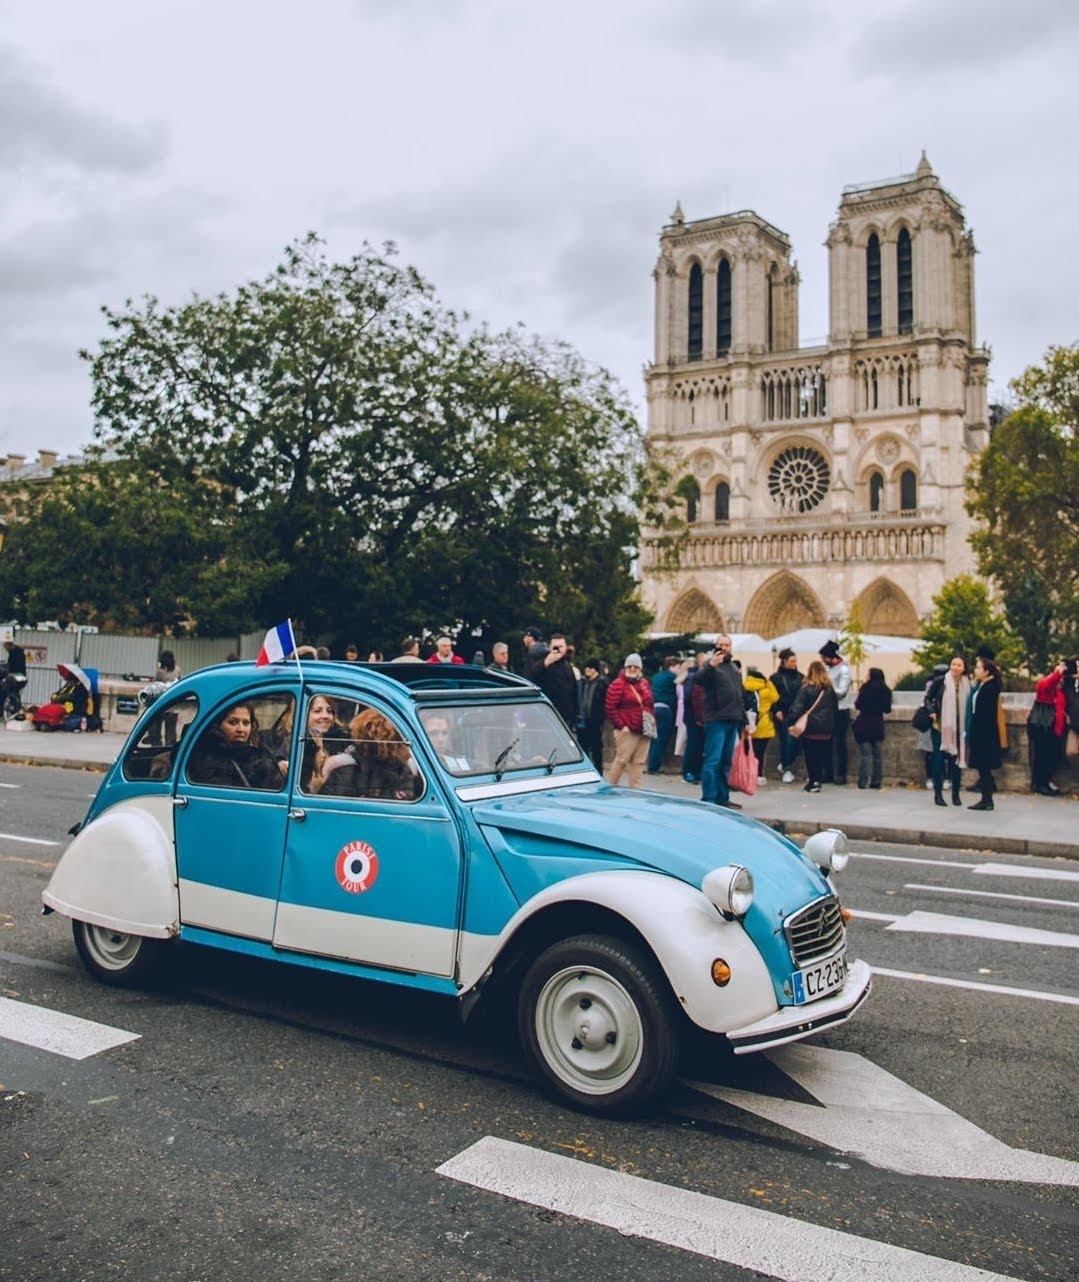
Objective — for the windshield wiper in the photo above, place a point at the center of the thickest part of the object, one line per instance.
(500, 760)
(551, 763)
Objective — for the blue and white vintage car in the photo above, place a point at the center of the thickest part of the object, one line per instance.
(440, 828)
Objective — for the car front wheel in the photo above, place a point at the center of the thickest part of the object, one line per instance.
(596, 1019)
(115, 957)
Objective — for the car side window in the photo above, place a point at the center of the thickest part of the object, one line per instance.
(353, 750)
(245, 745)
(153, 754)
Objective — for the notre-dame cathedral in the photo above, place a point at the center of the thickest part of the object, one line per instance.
(817, 478)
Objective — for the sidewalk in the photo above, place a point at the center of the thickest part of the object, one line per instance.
(1021, 824)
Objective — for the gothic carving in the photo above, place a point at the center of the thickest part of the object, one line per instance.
(888, 449)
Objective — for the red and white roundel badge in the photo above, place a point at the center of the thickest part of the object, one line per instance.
(357, 867)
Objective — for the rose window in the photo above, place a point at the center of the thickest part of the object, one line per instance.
(798, 479)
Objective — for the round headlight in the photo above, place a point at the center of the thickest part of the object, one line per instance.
(828, 849)
(730, 888)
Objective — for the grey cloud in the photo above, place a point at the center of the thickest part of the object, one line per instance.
(749, 30)
(963, 37)
(43, 125)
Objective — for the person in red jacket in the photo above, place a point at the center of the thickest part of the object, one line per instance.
(444, 652)
(1045, 729)
(629, 697)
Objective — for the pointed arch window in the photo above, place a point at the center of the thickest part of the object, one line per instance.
(876, 491)
(692, 492)
(723, 307)
(872, 287)
(904, 272)
(723, 502)
(908, 491)
(696, 312)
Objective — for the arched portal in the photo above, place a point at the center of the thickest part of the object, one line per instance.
(693, 612)
(781, 604)
(887, 610)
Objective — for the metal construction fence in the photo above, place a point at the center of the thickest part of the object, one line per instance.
(116, 655)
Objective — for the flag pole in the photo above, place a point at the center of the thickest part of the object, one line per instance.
(295, 651)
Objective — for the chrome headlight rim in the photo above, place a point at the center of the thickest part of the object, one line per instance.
(828, 849)
(730, 889)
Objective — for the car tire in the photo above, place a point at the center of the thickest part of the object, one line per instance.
(596, 1019)
(126, 961)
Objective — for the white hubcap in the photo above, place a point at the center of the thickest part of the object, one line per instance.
(589, 1030)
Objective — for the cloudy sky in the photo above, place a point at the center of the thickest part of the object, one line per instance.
(523, 155)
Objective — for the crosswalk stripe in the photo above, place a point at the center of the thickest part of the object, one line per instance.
(52, 1030)
(746, 1236)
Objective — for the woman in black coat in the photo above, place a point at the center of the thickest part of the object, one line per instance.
(231, 755)
(873, 702)
(816, 697)
(983, 737)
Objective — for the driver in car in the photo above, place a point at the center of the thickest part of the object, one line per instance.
(438, 731)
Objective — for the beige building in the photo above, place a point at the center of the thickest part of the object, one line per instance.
(817, 477)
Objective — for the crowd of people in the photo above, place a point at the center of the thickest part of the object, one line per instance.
(705, 706)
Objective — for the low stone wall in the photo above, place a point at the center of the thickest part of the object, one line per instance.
(905, 765)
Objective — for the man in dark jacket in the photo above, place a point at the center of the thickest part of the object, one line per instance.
(694, 750)
(788, 681)
(724, 718)
(592, 702)
(554, 675)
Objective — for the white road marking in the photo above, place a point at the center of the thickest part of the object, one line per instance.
(745, 1236)
(869, 1112)
(923, 923)
(33, 841)
(52, 1030)
(1016, 870)
(992, 894)
(983, 870)
(1063, 998)
(911, 859)
(10, 785)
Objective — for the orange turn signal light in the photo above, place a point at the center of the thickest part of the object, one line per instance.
(846, 914)
(721, 973)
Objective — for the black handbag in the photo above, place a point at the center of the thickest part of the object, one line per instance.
(922, 719)
(1043, 716)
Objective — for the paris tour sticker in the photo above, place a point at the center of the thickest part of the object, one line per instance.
(357, 867)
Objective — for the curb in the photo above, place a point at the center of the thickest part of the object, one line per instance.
(63, 763)
(942, 840)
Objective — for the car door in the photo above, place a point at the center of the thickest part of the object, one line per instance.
(371, 878)
(230, 838)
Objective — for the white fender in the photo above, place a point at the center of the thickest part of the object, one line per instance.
(684, 930)
(120, 871)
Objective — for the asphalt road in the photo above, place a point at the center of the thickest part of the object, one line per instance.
(272, 1123)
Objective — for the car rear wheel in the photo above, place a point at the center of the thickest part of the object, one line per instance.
(596, 1019)
(115, 957)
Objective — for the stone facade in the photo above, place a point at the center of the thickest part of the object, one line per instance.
(820, 477)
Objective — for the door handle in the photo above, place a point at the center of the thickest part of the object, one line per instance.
(179, 802)
(298, 815)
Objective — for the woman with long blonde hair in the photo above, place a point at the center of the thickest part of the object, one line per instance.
(817, 698)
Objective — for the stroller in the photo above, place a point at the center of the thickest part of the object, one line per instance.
(75, 705)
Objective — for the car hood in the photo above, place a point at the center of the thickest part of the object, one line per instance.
(685, 839)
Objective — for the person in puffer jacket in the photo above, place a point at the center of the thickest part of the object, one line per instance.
(764, 731)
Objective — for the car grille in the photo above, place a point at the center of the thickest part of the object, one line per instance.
(814, 932)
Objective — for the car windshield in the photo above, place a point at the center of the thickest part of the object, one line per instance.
(499, 738)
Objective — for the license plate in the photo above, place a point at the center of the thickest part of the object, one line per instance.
(818, 981)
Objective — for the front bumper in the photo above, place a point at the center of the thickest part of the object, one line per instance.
(791, 1023)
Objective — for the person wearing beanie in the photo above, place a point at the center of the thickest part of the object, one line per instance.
(840, 676)
(629, 697)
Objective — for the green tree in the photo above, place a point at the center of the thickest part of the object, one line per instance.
(108, 544)
(387, 466)
(963, 619)
(1024, 489)
(852, 640)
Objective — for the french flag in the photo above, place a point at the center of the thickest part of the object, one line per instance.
(278, 644)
